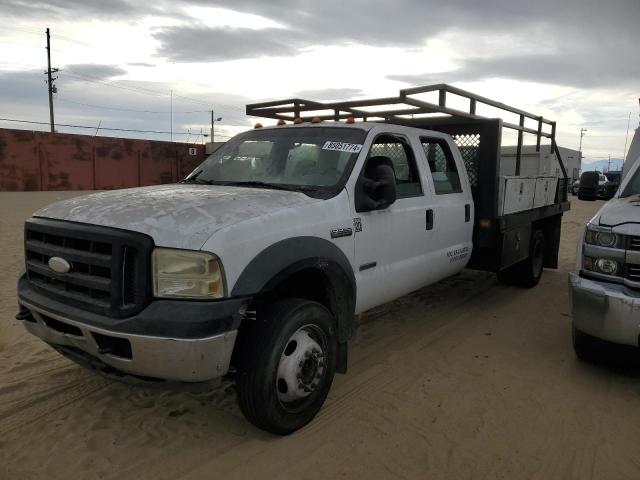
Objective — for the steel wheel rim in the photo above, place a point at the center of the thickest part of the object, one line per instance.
(302, 367)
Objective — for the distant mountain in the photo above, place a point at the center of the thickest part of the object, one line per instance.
(602, 165)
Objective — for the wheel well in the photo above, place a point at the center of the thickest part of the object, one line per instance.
(310, 284)
(316, 285)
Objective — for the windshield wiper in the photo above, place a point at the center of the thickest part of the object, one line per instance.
(259, 184)
(195, 179)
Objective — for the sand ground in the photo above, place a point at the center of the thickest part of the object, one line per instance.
(465, 379)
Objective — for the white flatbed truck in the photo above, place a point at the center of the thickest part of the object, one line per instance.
(256, 265)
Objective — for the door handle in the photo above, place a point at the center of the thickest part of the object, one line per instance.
(467, 212)
(429, 219)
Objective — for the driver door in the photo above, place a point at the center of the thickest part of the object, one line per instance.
(391, 250)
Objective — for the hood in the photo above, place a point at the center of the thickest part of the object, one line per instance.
(180, 215)
(619, 211)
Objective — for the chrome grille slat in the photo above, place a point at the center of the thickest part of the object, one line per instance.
(633, 272)
(78, 297)
(80, 279)
(70, 254)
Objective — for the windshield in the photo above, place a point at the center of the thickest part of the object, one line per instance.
(633, 187)
(300, 158)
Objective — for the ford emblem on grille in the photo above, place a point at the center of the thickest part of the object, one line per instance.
(59, 265)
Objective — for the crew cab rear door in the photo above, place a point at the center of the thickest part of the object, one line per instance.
(393, 245)
(452, 207)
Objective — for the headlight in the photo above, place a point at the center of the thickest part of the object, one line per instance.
(600, 237)
(186, 274)
(606, 266)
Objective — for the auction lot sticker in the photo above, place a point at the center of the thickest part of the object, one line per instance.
(343, 147)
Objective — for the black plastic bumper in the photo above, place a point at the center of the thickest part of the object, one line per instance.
(161, 318)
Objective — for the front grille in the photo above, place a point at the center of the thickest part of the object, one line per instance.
(634, 243)
(109, 267)
(633, 273)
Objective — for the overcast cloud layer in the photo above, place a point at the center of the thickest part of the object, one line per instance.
(588, 47)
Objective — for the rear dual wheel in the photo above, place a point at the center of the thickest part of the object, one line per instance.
(528, 272)
(286, 362)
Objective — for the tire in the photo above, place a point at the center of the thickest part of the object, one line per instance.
(286, 361)
(587, 348)
(528, 272)
(506, 276)
(530, 269)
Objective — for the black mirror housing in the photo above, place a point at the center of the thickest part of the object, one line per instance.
(376, 188)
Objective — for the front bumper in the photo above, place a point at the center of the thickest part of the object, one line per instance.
(604, 310)
(173, 340)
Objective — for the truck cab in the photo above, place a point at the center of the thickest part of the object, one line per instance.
(605, 290)
(256, 265)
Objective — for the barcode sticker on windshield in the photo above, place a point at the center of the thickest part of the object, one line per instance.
(343, 147)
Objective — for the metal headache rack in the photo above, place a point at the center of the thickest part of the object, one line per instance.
(406, 109)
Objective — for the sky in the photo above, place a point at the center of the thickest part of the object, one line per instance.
(163, 66)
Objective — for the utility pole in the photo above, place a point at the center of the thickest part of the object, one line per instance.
(582, 130)
(171, 117)
(51, 87)
(213, 123)
(609, 164)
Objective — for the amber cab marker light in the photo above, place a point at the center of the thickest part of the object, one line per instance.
(484, 223)
(257, 125)
(297, 121)
(351, 120)
(316, 120)
(281, 122)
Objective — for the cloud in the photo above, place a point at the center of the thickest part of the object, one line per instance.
(211, 44)
(329, 94)
(94, 70)
(23, 96)
(22, 88)
(64, 8)
(578, 69)
(574, 42)
(140, 64)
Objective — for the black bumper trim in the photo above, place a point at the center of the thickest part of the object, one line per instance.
(161, 318)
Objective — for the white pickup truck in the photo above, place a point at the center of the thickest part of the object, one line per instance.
(257, 263)
(605, 291)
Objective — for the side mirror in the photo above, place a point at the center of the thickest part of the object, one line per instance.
(376, 188)
(588, 189)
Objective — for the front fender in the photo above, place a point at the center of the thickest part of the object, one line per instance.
(287, 257)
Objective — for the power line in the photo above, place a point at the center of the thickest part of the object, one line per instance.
(21, 44)
(87, 78)
(135, 89)
(92, 127)
(102, 107)
(24, 30)
(73, 40)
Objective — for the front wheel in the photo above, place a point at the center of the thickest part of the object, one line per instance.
(286, 361)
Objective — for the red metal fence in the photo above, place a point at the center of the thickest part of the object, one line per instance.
(62, 161)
